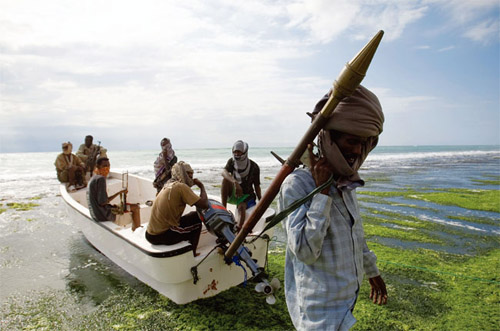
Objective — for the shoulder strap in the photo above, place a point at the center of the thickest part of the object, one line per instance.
(294, 205)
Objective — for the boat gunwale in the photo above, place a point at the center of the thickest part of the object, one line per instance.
(69, 199)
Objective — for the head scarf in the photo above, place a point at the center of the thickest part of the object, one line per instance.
(69, 149)
(167, 152)
(179, 174)
(241, 163)
(360, 115)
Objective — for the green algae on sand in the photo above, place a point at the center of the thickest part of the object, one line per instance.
(22, 206)
(431, 290)
(486, 200)
(490, 180)
(428, 290)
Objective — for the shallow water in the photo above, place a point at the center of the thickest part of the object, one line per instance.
(41, 250)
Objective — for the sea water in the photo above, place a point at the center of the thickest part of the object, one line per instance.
(41, 249)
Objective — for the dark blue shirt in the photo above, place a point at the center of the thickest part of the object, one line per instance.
(97, 198)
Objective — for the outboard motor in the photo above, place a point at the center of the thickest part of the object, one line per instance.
(220, 222)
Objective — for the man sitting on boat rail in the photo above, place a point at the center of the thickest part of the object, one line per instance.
(167, 225)
(241, 181)
(99, 202)
(70, 169)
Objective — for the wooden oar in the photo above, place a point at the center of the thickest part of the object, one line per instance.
(345, 84)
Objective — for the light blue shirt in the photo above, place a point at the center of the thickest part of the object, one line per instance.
(326, 255)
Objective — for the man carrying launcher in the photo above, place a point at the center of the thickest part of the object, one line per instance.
(327, 255)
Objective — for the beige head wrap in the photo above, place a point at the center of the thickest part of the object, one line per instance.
(360, 115)
(179, 173)
(69, 148)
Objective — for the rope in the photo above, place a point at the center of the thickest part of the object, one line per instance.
(441, 272)
(236, 261)
(206, 256)
(194, 269)
(275, 239)
(266, 264)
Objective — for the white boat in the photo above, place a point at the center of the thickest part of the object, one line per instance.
(172, 270)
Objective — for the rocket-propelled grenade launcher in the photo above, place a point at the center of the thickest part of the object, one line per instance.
(345, 84)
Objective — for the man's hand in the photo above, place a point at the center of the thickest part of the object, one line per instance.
(203, 201)
(320, 170)
(239, 190)
(197, 182)
(378, 292)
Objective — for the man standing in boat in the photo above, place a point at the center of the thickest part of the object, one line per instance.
(89, 153)
(163, 164)
(99, 203)
(327, 255)
(167, 225)
(241, 181)
(70, 168)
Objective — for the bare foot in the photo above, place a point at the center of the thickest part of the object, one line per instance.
(196, 254)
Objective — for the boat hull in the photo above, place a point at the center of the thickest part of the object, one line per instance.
(173, 271)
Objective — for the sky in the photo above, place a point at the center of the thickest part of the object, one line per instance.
(208, 73)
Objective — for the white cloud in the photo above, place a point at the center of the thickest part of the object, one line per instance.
(325, 20)
(120, 58)
(486, 31)
(477, 19)
(111, 23)
(392, 103)
(465, 11)
(446, 49)
(220, 67)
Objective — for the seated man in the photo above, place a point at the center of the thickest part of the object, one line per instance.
(70, 168)
(167, 225)
(89, 153)
(241, 176)
(98, 199)
(163, 164)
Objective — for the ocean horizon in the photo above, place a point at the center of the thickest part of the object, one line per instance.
(377, 149)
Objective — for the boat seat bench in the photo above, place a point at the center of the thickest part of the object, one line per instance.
(138, 239)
